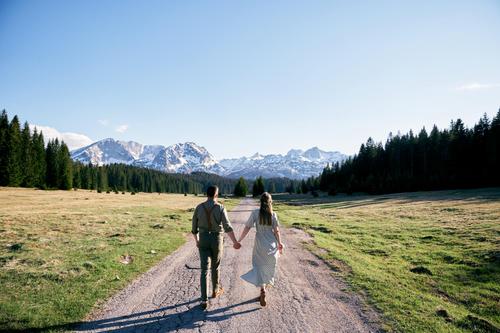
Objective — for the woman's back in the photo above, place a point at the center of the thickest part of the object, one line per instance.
(262, 227)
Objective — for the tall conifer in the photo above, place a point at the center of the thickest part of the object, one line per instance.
(14, 153)
(4, 149)
(39, 160)
(65, 172)
(27, 155)
(52, 167)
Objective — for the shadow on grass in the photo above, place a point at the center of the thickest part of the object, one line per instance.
(342, 201)
(191, 318)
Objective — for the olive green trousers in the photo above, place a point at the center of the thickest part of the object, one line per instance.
(210, 247)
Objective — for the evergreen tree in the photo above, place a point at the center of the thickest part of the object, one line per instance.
(27, 157)
(494, 149)
(77, 175)
(64, 164)
(52, 166)
(4, 149)
(304, 188)
(14, 167)
(39, 160)
(271, 187)
(102, 181)
(241, 188)
(258, 187)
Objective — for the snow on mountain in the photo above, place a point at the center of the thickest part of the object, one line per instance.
(189, 157)
(182, 157)
(296, 164)
(185, 158)
(107, 151)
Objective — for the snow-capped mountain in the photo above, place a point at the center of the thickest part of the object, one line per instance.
(296, 164)
(182, 157)
(189, 157)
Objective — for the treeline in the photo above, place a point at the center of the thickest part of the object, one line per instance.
(121, 177)
(458, 157)
(261, 185)
(26, 161)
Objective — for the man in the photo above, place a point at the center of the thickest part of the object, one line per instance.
(209, 221)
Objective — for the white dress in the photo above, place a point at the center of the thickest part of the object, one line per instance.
(265, 251)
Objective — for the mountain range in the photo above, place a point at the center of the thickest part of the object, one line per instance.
(189, 157)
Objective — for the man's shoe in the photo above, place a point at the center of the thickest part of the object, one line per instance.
(217, 293)
(262, 298)
(204, 305)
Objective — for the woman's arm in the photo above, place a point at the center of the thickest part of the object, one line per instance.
(276, 231)
(243, 234)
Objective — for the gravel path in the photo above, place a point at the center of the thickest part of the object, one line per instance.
(306, 297)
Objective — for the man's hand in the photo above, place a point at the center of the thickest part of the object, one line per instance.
(197, 240)
(237, 245)
(280, 248)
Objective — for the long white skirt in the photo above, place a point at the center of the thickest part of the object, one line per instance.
(264, 259)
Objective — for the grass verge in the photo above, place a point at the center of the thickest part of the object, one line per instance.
(429, 261)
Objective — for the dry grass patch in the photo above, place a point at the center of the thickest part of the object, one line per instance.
(62, 251)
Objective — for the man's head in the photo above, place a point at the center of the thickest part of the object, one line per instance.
(212, 192)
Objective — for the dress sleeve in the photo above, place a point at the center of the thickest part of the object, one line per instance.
(276, 222)
(251, 220)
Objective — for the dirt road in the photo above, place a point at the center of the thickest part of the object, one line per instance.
(306, 297)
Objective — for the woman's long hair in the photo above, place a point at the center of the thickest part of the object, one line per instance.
(266, 209)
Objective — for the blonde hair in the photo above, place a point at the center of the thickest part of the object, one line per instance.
(266, 209)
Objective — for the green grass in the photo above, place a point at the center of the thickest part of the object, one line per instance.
(429, 261)
(60, 251)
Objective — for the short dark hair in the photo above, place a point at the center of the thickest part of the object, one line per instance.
(211, 190)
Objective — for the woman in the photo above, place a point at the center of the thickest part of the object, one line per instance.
(267, 246)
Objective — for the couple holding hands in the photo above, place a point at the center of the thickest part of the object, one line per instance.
(210, 220)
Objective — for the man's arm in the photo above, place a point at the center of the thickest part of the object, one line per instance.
(226, 224)
(194, 227)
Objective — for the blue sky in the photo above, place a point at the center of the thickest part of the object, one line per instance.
(244, 76)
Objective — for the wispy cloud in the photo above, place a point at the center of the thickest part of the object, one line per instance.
(477, 86)
(73, 140)
(103, 122)
(121, 128)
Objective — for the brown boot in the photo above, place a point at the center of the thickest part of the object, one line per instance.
(218, 292)
(262, 297)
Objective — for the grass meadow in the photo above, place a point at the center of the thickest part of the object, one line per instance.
(428, 261)
(64, 252)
